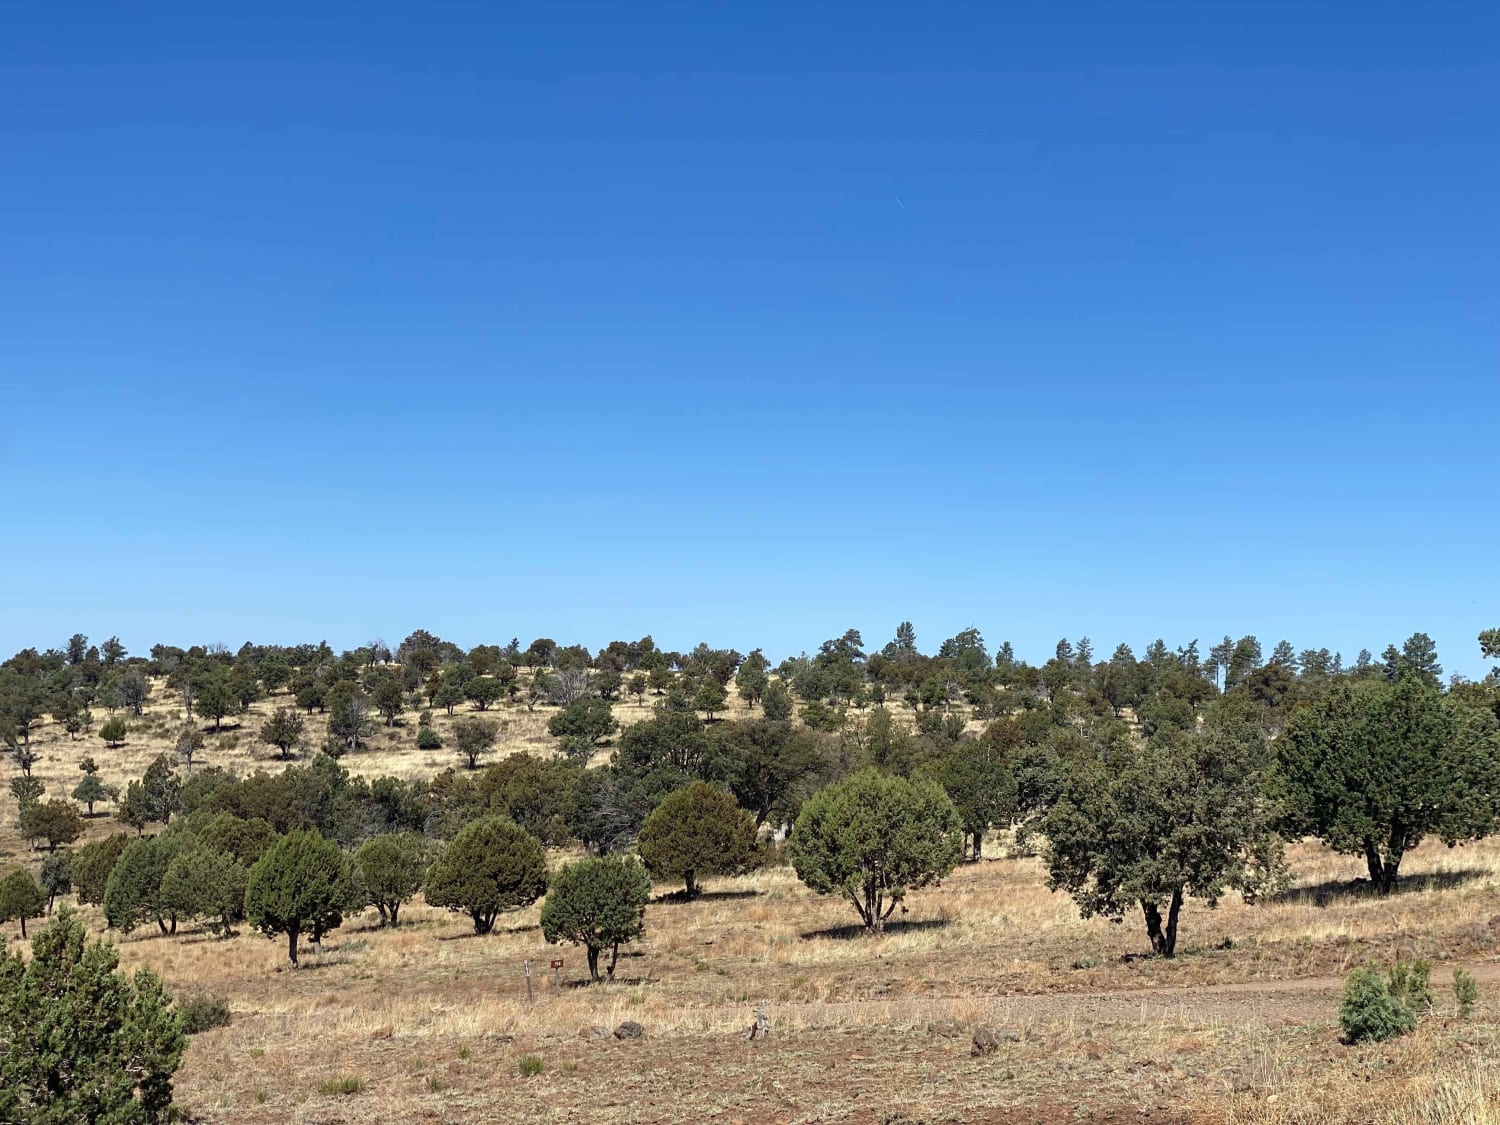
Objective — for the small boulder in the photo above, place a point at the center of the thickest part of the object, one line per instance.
(946, 1029)
(629, 1030)
(595, 1032)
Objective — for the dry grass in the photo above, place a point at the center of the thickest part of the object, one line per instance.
(433, 1021)
(429, 1023)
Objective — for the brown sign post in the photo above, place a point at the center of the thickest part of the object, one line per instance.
(557, 976)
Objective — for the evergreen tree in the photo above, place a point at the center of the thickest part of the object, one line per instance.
(697, 830)
(301, 885)
(599, 904)
(79, 1041)
(491, 866)
(873, 839)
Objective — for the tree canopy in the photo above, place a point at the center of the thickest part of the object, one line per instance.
(598, 903)
(492, 865)
(1371, 768)
(873, 838)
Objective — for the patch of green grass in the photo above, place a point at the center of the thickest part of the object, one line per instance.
(341, 1087)
(531, 1065)
(436, 1084)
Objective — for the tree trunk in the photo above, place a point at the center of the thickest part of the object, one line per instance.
(291, 947)
(1153, 926)
(23, 926)
(614, 959)
(1383, 870)
(593, 951)
(692, 887)
(978, 846)
(394, 907)
(1163, 940)
(1173, 910)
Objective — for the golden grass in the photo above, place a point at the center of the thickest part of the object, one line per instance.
(434, 1020)
(429, 1023)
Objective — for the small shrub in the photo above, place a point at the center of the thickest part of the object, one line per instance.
(1369, 1011)
(531, 1066)
(1411, 983)
(1466, 992)
(203, 1013)
(342, 1087)
(436, 1084)
(427, 739)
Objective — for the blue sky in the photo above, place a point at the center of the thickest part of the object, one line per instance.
(750, 322)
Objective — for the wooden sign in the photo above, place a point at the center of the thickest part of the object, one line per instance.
(557, 964)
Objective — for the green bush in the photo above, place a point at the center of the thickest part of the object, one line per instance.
(599, 903)
(80, 1041)
(203, 1013)
(342, 1086)
(1370, 1011)
(1466, 992)
(531, 1065)
(1411, 983)
(427, 739)
(872, 838)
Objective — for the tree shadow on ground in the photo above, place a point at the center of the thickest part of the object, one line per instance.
(706, 896)
(604, 983)
(467, 934)
(1335, 890)
(849, 933)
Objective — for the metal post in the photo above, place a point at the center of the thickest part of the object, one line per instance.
(557, 981)
(528, 981)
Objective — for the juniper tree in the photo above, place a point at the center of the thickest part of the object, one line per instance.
(204, 882)
(1372, 768)
(53, 822)
(1149, 824)
(388, 871)
(874, 838)
(473, 738)
(21, 898)
(80, 1041)
(283, 730)
(697, 830)
(92, 864)
(597, 903)
(91, 790)
(301, 885)
(492, 865)
(982, 786)
(585, 723)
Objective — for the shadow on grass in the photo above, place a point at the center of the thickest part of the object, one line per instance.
(467, 934)
(1335, 890)
(850, 933)
(706, 896)
(603, 984)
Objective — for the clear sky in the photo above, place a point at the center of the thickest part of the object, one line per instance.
(750, 322)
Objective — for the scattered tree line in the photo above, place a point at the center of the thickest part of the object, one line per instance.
(1149, 781)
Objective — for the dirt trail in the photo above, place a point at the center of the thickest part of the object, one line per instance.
(1306, 999)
